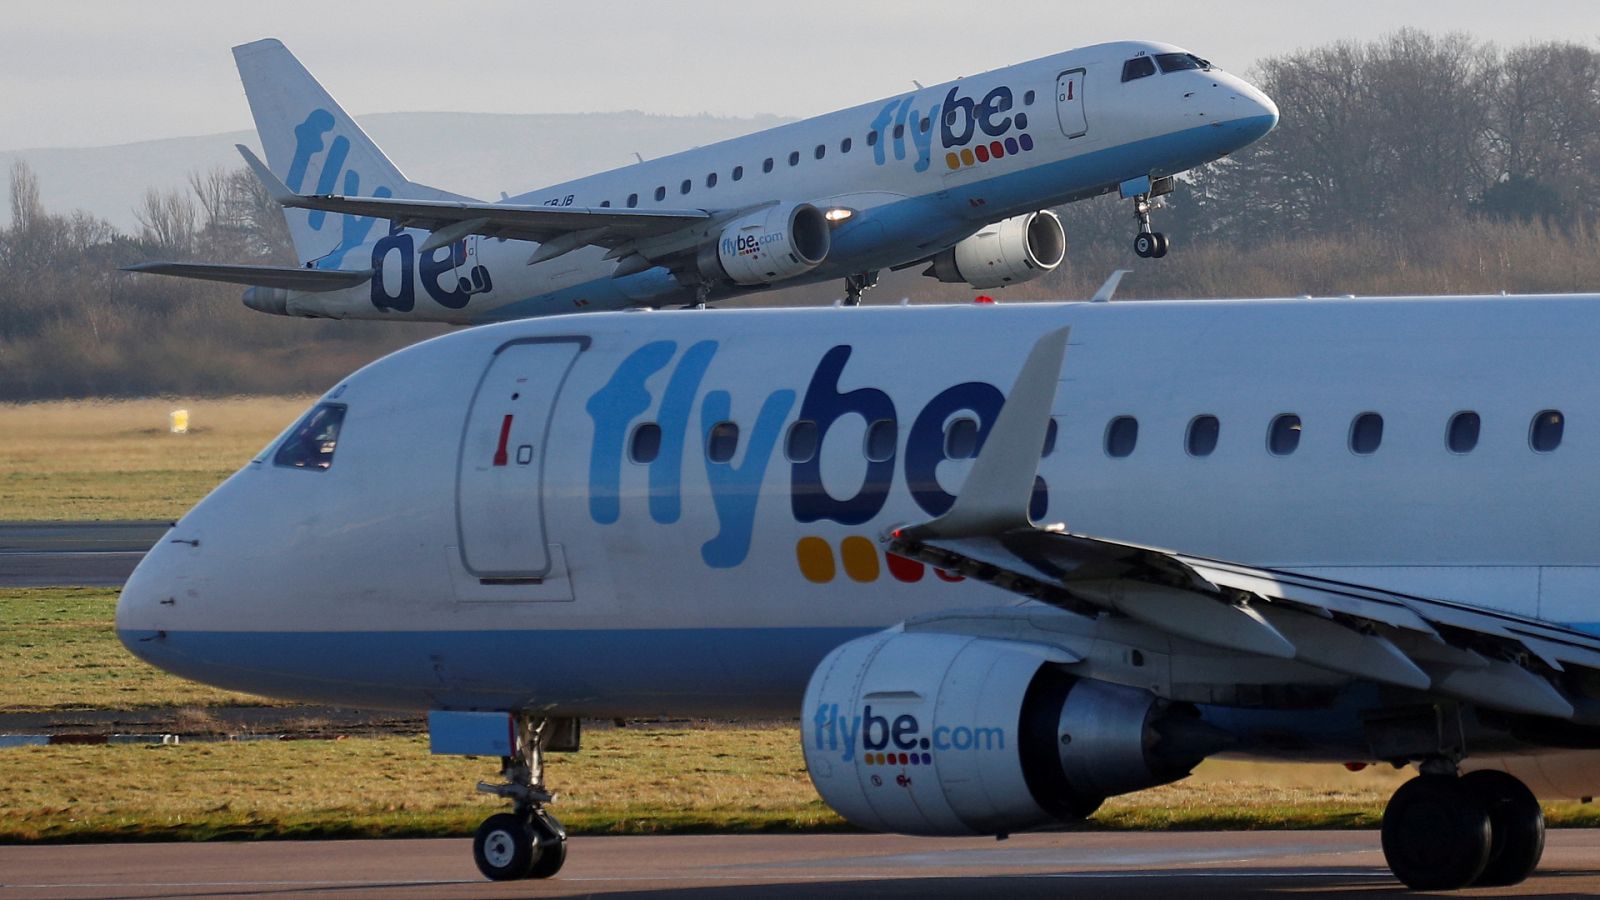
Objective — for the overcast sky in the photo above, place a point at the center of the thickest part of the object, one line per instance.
(92, 72)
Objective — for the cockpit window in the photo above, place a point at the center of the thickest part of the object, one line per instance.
(311, 443)
(1138, 67)
(1177, 62)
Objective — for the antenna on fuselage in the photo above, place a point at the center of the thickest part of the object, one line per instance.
(637, 156)
(917, 83)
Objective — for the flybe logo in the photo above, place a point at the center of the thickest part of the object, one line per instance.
(971, 130)
(736, 488)
(450, 274)
(745, 245)
(900, 741)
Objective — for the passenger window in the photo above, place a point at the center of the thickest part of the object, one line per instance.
(1121, 436)
(794, 157)
(633, 200)
(899, 132)
(605, 204)
(766, 166)
(1366, 433)
(1138, 67)
(882, 436)
(738, 172)
(961, 439)
(684, 188)
(1462, 435)
(1202, 437)
(661, 193)
(646, 443)
(1027, 99)
(844, 146)
(821, 151)
(311, 443)
(711, 180)
(1545, 435)
(872, 138)
(802, 443)
(1049, 438)
(1177, 62)
(1284, 435)
(722, 442)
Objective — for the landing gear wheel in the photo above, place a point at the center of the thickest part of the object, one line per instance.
(1516, 822)
(1161, 245)
(1436, 834)
(552, 846)
(504, 848)
(1144, 245)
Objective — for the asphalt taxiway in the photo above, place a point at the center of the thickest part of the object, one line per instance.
(1142, 865)
(73, 554)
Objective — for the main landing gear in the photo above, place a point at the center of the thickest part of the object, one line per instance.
(856, 285)
(527, 842)
(1442, 831)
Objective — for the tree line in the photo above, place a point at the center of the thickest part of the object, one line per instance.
(1416, 163)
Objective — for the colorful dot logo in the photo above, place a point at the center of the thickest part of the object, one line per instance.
(982, 153)
(860, 559)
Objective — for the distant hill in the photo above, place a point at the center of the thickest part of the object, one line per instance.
(480, 154)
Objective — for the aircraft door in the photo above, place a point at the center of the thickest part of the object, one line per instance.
(1069, 103)
(499, 508)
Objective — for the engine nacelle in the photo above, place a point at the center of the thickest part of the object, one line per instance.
(768, 245)
(944, 734)
(1010, 251)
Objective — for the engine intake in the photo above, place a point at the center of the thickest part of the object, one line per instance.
(768, 245)
(1010, 251)
(944, 734)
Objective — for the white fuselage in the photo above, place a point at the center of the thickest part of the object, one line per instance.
(484, 538)
(920, 171)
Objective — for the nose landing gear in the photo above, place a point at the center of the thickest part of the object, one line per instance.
(1443, 832)
(1147, 244)
(527, 842)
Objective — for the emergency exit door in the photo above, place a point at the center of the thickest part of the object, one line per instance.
(499, 482)
(1069, 103)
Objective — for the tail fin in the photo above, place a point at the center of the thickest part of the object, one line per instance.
(316, 148)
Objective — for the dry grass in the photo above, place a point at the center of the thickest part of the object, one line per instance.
(116, 460)
(61, 652)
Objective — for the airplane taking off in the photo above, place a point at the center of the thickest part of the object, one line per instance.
(958, 177)
(1382, 518)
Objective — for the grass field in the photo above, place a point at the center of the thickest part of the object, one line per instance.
(117, 460)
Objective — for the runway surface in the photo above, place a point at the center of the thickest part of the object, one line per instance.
(1145, 865)
(73, 554)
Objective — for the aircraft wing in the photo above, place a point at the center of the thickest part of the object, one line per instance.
(451, 220)
(1494, 659)
(293, 278)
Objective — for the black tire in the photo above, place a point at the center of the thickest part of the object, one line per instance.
(552, 857)
(1144, 244)
(1436, 834)
(552, 837)
(504, 847)
(1161, 244)
(1516, 822)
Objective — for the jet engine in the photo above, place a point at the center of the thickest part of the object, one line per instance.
(768, 245)
(948, 734)
(1010, 251)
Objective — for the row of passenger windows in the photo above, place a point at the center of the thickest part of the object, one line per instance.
(961, 441)
(1366, 433)
(818, 152)
(961, 437)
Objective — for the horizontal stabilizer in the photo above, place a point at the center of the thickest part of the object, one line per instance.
(287, 277)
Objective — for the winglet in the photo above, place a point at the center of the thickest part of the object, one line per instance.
(999, 488)
(279, 191)
(1110, 287)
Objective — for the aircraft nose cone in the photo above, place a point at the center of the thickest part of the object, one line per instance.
(1262, 116)
(147, 606)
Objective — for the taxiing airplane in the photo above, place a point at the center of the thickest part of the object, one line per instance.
(932, 532)
(958, 177)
